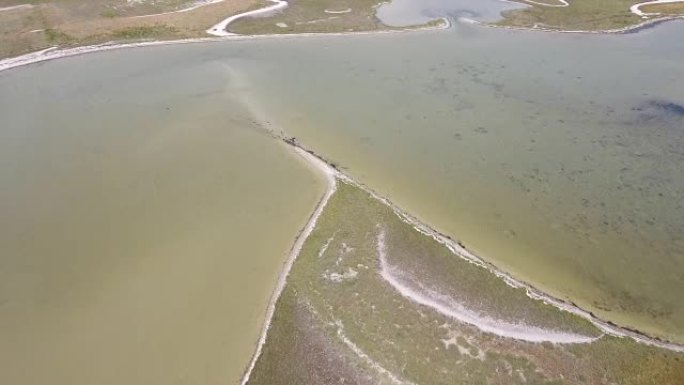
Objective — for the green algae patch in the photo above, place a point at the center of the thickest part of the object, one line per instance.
(340, 320)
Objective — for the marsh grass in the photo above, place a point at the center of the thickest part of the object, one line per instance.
(586, 15)
(320, 314)
(665, 9)
(145, 32)
(49, 23)
(310, 16)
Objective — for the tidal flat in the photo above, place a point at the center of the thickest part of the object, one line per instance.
(339, 320)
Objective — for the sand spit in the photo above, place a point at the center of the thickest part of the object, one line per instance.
(53, 53)
(458, 249)
(337, 12)
(415, 292)
(636, 8)
(329, 173)
(220, 28)
(16, 7)
(562, 4)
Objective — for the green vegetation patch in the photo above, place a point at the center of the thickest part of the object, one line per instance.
(340, 321)
(674, 9)
(55, 36)
(145, 32)
(310, 16)
(585, 15)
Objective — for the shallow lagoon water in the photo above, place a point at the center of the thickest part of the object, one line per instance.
(144, 220)
(559, 157)
(139, 197)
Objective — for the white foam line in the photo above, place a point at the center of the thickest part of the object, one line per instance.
(329, 174)
(361, 354)
(16, 7)
(196, 5)
(450, 308)
(636, 8)
(220, 28)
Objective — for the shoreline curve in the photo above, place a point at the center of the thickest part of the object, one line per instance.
(456, 248)
(636, 8)
(220, 28)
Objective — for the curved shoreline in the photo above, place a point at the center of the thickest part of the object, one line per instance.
(440, 303)
(607, 327)
(330, 189)
(53, 53)
(625, 30)
(332, 174)
(16, 7)
(562, 4)
(636, 8)
(220, 28)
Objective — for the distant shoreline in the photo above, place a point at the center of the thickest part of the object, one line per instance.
(53, 53)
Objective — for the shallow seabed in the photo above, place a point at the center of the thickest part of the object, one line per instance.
(144, 221)
(556, 156)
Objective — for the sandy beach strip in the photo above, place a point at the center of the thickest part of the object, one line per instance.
(331, 186)
(460, 251)
(53, 53)
(562, 3)
(636, 8)
(16, 7)
(220, 28)
(447, 306)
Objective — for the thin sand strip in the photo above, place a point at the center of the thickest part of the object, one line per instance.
(220, 28)
(337, 12)
(53, 53)
(16, 7)
(449, 307)
(562, 4)
(329, 174)
(636, 8)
